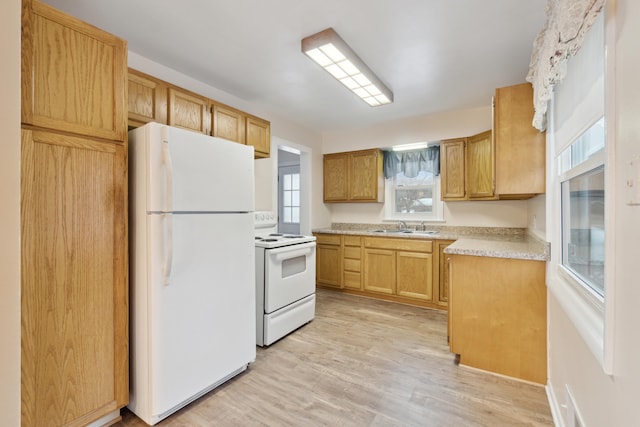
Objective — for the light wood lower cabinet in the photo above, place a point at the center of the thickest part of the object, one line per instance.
(400, 270)
(352, 262)
(497, 315)
(74, 279)
(329, 260)
(441, 272)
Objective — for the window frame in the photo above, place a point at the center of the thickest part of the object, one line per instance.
(436, 215)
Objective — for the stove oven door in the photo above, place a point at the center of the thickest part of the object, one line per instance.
(290, 275)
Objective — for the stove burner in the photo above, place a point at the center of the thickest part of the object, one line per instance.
(269, 240)
(292, 236)
(275, 234)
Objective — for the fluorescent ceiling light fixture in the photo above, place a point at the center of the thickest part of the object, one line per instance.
(328, 50)
(412, 146)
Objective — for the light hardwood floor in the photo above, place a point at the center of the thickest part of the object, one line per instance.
(364, 362)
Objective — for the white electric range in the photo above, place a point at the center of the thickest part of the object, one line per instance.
(285, 279)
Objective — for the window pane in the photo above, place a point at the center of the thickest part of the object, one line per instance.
(412, 200)
(295, 181)
(295, 214)
(583, 227)
(287, 182)
(286, 195)
(287, 214)
(295, 198)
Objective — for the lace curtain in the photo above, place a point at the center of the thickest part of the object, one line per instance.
(412, 162)
(567, 23)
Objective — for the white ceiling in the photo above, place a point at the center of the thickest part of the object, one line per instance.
(435, 55)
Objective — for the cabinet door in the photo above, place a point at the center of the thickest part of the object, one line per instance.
(147, 100)
(188, 111)
(364, 173)
(480, 166)
(335, 177)
(328, 268)
(452, 169)
(442, 273)
(414, 275)
(380, 270)
(73, 75)
(74, 279)
(228, 123)
(259, 135)
(520, 148)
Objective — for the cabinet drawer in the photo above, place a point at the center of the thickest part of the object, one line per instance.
(352, 280)
(328, 239)
(351, 252)
(399, 244)
(352, 241)
(352, 265)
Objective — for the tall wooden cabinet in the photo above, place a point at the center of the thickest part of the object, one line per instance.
(505, 163)
(74, 258)
(354, 176)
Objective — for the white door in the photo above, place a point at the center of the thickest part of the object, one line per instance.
(190, 172)
(202, 321)
(289, 199)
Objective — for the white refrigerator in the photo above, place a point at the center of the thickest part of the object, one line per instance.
(192, 266)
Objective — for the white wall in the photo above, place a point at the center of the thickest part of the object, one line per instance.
(10, 213)
(604, 400)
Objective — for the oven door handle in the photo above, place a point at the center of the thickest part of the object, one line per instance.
(293, 251)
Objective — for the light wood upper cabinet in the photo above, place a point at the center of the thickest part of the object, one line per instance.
(467, 168)
(258, 133)
(505, 163)
(147, 99)
(73, 75)
(354, 176)
(188, 111)
(335, 181)
(480, 166)
(452, 169)
(151, 99)
(228, 123)
(520, 148)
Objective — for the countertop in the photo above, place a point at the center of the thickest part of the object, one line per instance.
(513, 243)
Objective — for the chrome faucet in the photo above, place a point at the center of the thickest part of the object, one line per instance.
(402, 225)
(423, 226)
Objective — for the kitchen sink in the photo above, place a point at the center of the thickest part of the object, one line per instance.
(406, 231)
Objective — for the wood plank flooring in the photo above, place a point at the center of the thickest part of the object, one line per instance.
(364, 362)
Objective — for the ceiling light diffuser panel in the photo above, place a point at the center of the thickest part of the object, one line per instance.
(328, 50)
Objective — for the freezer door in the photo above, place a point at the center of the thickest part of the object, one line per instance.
(191, 172)
(202, 316)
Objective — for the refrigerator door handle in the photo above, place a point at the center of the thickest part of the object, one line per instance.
(166, 160)
(167, 239)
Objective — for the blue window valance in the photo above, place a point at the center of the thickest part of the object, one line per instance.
(412, 162)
